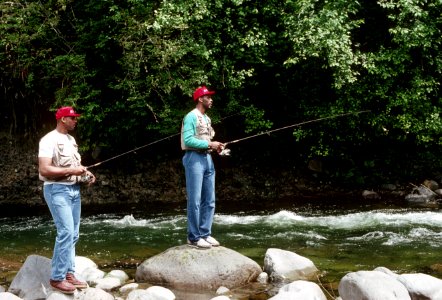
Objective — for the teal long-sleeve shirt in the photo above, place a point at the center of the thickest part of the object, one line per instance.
(189, 133)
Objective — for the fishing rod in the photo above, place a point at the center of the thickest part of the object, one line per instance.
(130, 151)
(227, 151)
(147, 145)
(294, 125)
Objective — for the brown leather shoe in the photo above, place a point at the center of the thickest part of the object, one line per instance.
(62, 286)
(75, 282)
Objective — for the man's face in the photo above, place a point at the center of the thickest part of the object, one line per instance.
(69, 122)
(207, 101)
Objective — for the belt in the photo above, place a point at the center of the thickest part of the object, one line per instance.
(202, 151)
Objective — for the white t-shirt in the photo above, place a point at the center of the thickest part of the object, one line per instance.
(63, 150)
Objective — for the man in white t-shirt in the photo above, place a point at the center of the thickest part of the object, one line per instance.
(59, 166)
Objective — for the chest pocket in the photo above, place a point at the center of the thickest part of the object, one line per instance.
(66, 155)
(204, 128)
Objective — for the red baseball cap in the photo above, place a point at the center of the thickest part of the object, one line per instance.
(201, 91)
(66, 111)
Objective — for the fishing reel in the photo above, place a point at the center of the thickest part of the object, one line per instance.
(85, 178)
(225, 152)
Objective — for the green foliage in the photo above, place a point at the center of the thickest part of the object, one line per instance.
(131, 71)
(40, 67)
(402, 80)
(323, 29)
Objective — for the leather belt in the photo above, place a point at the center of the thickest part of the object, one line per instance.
(202, 151)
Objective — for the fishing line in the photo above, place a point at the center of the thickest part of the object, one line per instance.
(295, 125)
(227, 151)
(130, 151)
(147, 145)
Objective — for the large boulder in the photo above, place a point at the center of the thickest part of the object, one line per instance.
(32, 280)
(422, 286)
(190, 268)
(286, 266)
(421, 195)
(371, 285)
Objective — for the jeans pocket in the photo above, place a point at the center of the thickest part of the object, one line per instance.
(186, 158)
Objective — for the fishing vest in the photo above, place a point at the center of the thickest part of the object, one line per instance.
(65, 154)
(204, 130)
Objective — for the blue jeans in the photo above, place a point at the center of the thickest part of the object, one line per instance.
(200, 187)
(64, 202)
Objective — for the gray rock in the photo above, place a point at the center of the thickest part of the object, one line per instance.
(222, 290)
(386, 271)
(2, 289)
(370, 195)
(108, 283)
(93, 293)
(282, 266)
(119, 274)
(91, 275)
(263, 278)
(8, 296)
(421, 194)
(220, 298)
(152, 293)
(371, 285)
(129, 287)
(388, 187)
(300, 289)
(82, 263)
(422, 286)
(431, 184)
(32, 280)
(160, 293)
(190, 268)
(55, 295)
(138, 295)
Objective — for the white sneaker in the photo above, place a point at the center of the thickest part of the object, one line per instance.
(212, 241)
(201, 243)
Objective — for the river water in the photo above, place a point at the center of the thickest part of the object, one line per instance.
(337, 240)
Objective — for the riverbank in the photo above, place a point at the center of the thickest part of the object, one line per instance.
(151, 181)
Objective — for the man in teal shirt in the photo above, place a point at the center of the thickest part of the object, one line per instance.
(196, 139)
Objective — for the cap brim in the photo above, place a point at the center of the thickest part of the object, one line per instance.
(208, 93)
(205, 94)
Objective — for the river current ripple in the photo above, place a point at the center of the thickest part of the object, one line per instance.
(338, 242)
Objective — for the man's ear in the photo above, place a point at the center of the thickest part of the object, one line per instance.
(62, 119)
